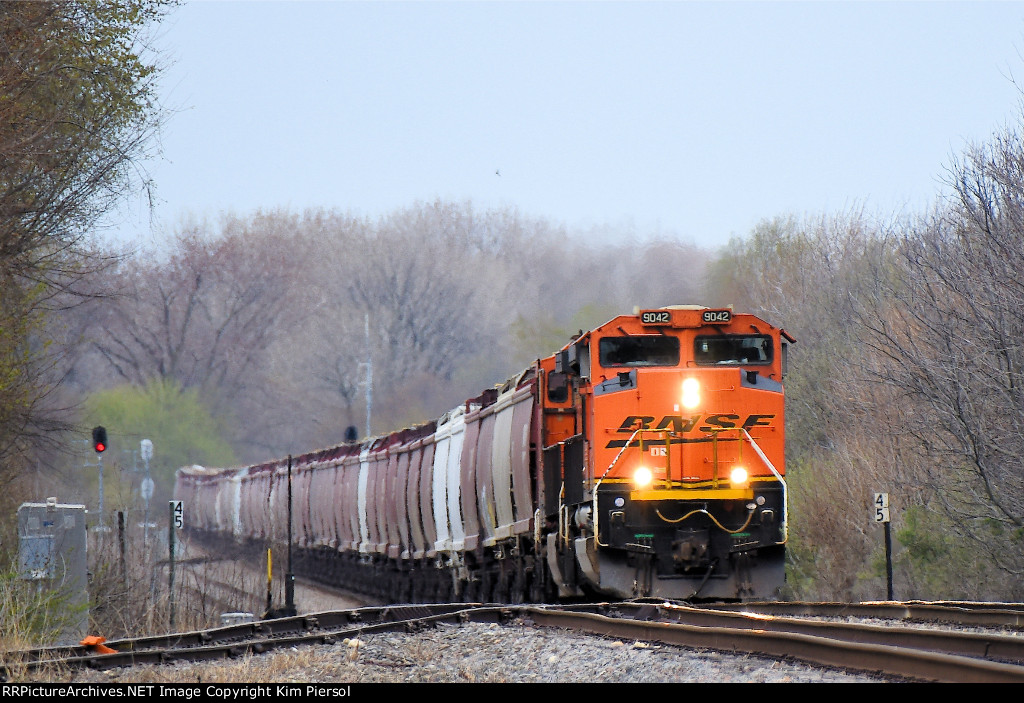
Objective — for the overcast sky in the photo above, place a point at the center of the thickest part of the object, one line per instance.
(687, 119)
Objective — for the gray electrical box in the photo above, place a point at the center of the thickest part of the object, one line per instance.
(53, 554)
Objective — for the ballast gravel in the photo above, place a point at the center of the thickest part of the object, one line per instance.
(486, 653)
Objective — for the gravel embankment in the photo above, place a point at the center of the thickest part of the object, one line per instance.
(481, 653)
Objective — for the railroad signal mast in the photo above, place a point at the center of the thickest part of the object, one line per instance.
(146, 446)
(99, 444)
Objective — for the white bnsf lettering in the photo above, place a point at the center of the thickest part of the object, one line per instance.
(681, 424)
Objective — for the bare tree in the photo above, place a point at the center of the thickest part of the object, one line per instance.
(952, 345)
(76, 117)
(810, 276)
(204, 316)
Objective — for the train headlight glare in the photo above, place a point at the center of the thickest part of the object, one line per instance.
(691, 393)
(738, 476)
(642, 477)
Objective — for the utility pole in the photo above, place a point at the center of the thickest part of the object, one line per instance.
(289, 578)
(369, 375)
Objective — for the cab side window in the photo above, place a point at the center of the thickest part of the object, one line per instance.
(639, 350)
(733, 349)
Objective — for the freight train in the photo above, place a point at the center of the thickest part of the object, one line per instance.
(643, 459)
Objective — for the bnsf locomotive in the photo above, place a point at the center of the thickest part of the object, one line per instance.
(645, 458)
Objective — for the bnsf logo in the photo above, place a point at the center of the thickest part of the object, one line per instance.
(680, 424)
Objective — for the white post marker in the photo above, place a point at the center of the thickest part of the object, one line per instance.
(176, 522)
(881, 507)
(178, 513)
(880, 513)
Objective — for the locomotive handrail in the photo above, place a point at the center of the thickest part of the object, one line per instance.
(597, 485)
(781, 480)
(617, 457)
(771, 467)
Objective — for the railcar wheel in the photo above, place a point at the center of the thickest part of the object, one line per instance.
(502, 587)
(416, 585)
(444, 589)
(407, 586)
(436, 586)
(486, 588)
(537, 585)
(472, 590)
(518, 589)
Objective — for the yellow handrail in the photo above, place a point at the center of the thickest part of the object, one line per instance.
(668, 473)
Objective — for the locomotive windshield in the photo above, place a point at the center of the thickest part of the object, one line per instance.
(639, 350)
(733, 349)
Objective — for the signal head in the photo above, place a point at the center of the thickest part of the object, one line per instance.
(99, 439)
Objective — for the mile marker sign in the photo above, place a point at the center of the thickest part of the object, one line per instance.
(178, 511)
(881, 507)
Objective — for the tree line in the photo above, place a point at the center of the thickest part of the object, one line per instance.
(273, 318)
(907, 379)
(252, 336)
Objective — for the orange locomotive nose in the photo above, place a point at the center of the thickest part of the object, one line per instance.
(700, 444)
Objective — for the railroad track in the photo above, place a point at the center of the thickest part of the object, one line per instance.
(962, 613)
(904, 652)
(927, 654)
(253, 638)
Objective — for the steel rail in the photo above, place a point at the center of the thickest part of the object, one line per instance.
(830, 651)
(255, 637)
(263, 645)
(832, 646)
(976, 614)
(992, 646)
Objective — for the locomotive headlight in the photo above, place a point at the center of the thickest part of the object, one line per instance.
(738, 476)
(642, 477)
(691, 393)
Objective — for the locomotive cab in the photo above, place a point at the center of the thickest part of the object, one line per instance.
(681, 489)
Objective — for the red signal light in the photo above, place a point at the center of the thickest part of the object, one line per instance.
(99, 439)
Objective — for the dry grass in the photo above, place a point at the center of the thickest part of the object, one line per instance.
(274, 667)
(30, 618)
(129, 594)
(128, 597)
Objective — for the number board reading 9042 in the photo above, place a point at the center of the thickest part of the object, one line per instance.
(656, 317)
(716, 316)
(664, 317)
